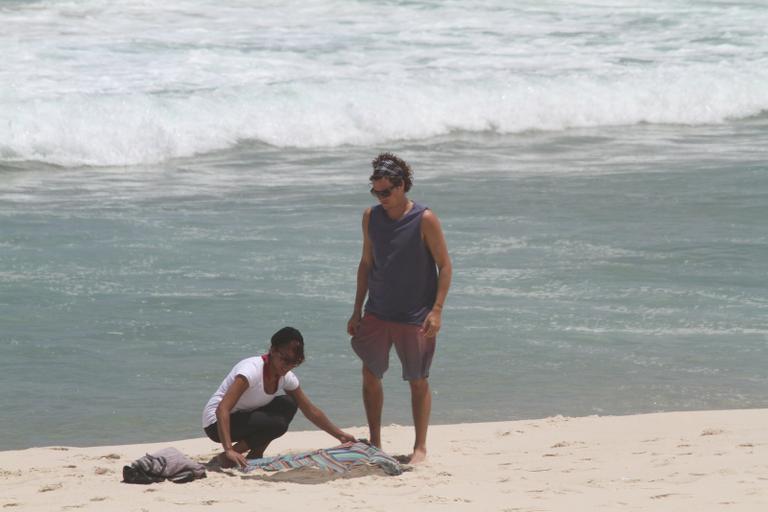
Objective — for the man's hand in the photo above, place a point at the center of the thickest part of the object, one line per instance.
(354, 323)
(431, 324)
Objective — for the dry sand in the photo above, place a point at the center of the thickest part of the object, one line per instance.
(690, 461)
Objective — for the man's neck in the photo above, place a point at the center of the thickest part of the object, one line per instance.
(397, 212)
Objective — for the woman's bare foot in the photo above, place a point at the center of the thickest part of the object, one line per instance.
(253, 454)
(257, 452)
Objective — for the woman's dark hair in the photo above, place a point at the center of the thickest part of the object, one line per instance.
(394, 168)
(285, 337)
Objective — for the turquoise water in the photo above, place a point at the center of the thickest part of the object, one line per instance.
(606, 217)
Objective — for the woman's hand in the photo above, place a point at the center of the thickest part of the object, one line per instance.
(235, 458)
(345, 437)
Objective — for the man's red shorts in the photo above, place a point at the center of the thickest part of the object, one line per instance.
(374, 340)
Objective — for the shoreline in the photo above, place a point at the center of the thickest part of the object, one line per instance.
(702, 460)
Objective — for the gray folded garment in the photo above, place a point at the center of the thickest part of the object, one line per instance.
(166, 464)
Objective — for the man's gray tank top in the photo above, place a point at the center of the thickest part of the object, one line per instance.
(402, 283)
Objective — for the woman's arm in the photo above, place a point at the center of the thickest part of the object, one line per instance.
(318, 417)
(223, 410)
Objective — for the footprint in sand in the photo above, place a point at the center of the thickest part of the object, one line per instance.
(442, 499)
(51, 487)
(712, 432)
(506, 433)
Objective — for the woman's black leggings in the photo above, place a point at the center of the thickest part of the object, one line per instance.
(260, 426)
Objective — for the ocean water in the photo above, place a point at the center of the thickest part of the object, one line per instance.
(178, 181)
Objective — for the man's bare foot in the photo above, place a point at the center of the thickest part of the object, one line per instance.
(418, 456)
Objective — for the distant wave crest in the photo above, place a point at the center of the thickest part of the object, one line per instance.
(129, 129)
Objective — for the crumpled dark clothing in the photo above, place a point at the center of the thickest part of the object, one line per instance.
(166, 464)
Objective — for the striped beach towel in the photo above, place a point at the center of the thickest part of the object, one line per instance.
(339, 459)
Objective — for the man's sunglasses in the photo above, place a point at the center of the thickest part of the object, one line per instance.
(383, 193)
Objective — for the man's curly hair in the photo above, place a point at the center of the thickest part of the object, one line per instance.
(394, 168)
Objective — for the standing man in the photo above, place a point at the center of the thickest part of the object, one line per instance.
(405, 271)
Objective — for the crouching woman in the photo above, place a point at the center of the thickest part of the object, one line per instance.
(249, 409)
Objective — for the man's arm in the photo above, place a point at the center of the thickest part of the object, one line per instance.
(435, 240)
(366, 261)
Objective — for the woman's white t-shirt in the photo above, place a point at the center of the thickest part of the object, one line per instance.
(254, 397)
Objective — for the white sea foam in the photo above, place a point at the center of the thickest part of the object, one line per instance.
(669, 331)
(492, 246)
(100, 83)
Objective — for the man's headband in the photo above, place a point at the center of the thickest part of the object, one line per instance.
(388, 168)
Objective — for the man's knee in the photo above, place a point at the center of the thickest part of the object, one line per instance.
(419, 386)
(370, 378)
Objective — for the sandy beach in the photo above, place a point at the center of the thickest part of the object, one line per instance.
(711, 460)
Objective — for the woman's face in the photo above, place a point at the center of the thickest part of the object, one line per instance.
(284, 359)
